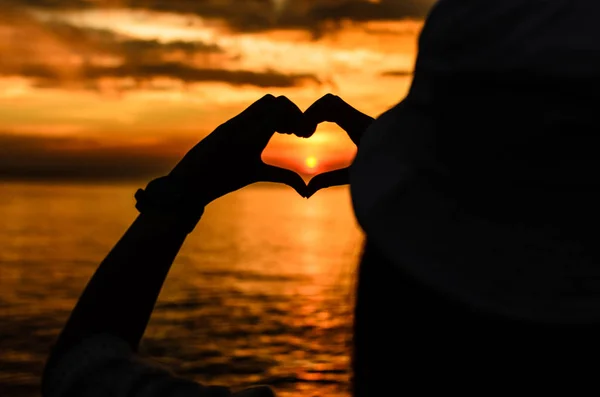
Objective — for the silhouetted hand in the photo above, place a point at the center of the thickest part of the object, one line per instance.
(334, 109)
(230, 157)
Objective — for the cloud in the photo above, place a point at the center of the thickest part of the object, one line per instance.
(362, 11)
(397, 73)
(109, 42)
(261, 15)
(56, 54)
(68, 158)
(88, 75)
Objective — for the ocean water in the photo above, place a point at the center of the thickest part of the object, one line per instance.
(261, 293)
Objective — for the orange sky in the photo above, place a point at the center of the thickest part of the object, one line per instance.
(122, 89)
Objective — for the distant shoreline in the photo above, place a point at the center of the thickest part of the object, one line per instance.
(52, 178)
(140, 182)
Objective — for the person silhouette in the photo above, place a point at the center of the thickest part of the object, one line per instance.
(477, 194)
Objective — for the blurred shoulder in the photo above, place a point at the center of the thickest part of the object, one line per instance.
(104, 365)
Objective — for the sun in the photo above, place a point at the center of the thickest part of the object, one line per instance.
(311, 162)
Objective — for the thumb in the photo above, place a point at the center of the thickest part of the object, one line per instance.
(328, 179)
(334, 109)
(270, 173)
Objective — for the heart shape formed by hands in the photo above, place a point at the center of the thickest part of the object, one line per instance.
(332, 108)
(230, 157)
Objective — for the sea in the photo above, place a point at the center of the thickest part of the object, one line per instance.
(261, 292)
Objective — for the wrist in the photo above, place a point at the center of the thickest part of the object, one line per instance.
(170, 202)
(195, 187)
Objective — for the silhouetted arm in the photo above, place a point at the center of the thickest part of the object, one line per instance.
(121, 295)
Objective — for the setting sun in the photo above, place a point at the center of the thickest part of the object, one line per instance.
(311, 162)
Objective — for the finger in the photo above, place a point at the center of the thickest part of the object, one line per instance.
(237, 124)
(328, 179)
(334, 109)
(259, 107)
(270, 173)
(272, 115)
(267, 111)
(290, 119)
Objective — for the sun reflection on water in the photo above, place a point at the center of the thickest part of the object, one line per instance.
(261, 291)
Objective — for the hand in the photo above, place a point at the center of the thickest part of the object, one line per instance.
(230, 157)
(333, 109)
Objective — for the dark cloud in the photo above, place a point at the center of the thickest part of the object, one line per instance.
(40, 157)
(107, 42)
(397, 73)
(46, 76)
(153, 49)
(102, 54)
(191, 74)
(361, 11)
(260, 15)
(45, 51)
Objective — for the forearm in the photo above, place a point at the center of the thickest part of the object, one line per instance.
(121, 295)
